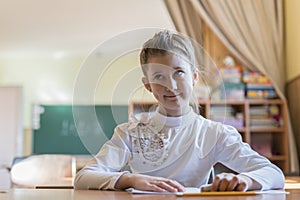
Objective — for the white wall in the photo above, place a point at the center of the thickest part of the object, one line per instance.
(11, 137)
(292, 38)
(43, 80)
(51, 81)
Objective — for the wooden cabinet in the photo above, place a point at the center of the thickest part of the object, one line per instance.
(261, 123)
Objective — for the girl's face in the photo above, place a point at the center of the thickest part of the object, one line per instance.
(171, 81)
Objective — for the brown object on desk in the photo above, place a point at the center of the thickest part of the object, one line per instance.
(53, 187)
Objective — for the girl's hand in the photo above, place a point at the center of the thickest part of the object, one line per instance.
(149, 183)
(232, 182)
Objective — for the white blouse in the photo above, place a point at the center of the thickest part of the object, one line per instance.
(183, 148)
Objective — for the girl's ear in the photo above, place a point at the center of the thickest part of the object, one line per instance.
(195, 77)
(146, 84)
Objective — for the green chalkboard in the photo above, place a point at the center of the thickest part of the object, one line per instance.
(81, 129)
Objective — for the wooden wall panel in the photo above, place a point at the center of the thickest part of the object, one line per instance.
(293, 96)
(215, 48)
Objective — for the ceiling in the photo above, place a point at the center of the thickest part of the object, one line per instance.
(54, 27)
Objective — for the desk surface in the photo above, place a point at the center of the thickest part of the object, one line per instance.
(45, 194)
(292, 186)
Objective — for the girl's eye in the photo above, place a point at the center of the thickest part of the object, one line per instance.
(179, 73)
(158, 77)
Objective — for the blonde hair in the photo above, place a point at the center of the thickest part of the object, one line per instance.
(166, 42)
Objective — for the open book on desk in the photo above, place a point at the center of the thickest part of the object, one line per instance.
(191, 191)
(188, 190)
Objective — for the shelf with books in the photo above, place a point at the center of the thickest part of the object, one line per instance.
(267, 123)
(267, 129)
(229, 112)
(258, 86)
(276, 158)
(244, 115)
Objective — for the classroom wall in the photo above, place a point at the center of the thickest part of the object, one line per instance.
(292, 38)
(51, 81)
(44, 79)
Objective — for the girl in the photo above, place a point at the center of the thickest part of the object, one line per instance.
(174, 147)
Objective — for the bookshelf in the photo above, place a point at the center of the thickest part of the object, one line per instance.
(270, 140)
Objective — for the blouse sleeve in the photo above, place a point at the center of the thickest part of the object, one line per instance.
(239, 156)
(103, 171)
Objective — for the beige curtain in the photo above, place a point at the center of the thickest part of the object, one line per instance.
(181, 15)
(184, 20)
(251, 29)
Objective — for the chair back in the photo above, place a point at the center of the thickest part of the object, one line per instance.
(46, 169)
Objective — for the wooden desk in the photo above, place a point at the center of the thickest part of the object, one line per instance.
(292, 186)
(56, 194)
(292, 182)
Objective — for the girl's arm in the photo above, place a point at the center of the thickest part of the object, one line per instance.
(149, 183)
(103, 171)
(254, 171)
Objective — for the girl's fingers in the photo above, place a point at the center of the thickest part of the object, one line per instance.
(169, 185)
(233, 184)
(229, 182)
(223, 185)
(216, 183)
(176, 185)
(242, 187)
(166, 186)
(155, 188)
(225, 182)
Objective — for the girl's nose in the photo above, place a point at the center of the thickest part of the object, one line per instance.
(171, 84)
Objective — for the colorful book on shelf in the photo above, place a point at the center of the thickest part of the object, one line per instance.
(259, 86)
(232, 74)
(255, 77)
(235, 91)
(267, 122)
(259, 110)
(221, 109)
(261, 94)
